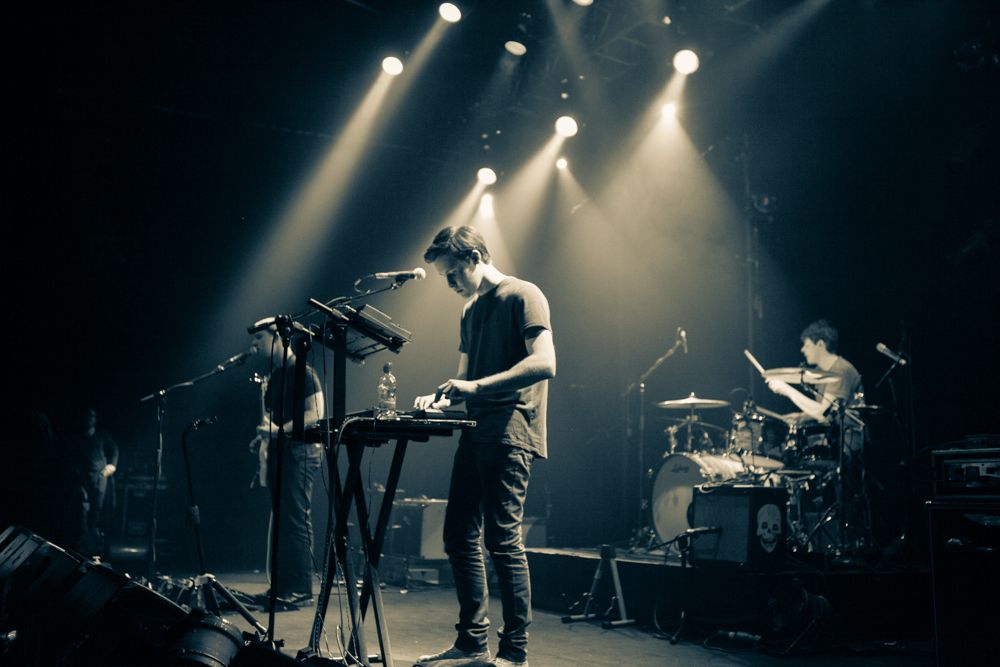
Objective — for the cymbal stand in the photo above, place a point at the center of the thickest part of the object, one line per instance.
(643, 534)
(852, 501)
(205, 586)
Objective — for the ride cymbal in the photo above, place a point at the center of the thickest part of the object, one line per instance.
(796, 375)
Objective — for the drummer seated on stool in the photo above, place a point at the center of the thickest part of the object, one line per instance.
(819, 347)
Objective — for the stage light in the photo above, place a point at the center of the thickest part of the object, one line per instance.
(566, 126)
(392, 66)
(515, 48)
(686, 61)
(669, 110)
(561, 163)
(486, 176)
(450, 12)
(583, 3)
(486, 205)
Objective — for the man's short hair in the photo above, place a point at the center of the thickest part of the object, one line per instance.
(821, 330)
(459, 242)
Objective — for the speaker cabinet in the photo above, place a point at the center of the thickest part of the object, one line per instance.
(67, 611)
(417, 528)
(965, 574)
(752, 523)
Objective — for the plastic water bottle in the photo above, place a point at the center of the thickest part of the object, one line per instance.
(386, 405)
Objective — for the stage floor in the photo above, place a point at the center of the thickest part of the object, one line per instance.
(422, 620)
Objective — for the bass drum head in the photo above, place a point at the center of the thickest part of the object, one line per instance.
(673, 488)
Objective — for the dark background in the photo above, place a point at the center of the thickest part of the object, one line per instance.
(155, 145)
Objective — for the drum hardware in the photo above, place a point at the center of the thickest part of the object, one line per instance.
(747, 440)
(691, 423)
(692, 403)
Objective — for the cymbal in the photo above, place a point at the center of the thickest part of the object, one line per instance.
(692, 402)
(797, 375)
(869, 409)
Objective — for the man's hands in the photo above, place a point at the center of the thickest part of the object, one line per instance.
(108, 470)
(446, 391)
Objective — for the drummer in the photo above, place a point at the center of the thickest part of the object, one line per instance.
(819, 347)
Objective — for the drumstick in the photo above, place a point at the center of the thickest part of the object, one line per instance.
(753, 360)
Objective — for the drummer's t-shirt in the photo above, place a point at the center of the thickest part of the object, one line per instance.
(848, 384)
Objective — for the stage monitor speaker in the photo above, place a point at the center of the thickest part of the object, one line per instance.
(965, 573)
(67, 611)
(752, 526)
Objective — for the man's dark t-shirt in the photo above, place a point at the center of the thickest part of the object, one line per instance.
(494, 328)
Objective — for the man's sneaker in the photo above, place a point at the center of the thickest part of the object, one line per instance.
(504, 662)
(454, 657)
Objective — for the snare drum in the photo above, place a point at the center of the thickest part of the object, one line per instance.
(673, 488)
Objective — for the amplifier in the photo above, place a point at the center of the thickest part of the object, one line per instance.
(417, 528)
(752, 523)
(965, 573)
(967, 473)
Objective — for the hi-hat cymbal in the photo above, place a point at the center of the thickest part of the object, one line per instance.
(692, 402)
(797, 375)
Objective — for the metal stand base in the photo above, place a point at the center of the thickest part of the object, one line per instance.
(204, 589)
(608, 561)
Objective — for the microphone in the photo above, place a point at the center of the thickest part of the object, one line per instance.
(234, 360)
(896, 358)
(401, 276)
(201, 423)
(683, 335)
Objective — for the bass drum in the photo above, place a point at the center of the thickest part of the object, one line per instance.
(673, 487)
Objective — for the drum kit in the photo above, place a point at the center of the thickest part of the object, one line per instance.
(760, 447)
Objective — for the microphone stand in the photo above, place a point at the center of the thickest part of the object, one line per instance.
(205, 586)
(907, 422)
(161, 409)
(643, 531)
(885, 376)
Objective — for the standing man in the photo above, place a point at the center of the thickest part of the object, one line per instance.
(98, 461)
(506, 357)
(300, 461)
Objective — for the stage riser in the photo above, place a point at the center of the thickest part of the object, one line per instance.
(865, 605)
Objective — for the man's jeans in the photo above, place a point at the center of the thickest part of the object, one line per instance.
(488, 487)
(295, 539)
